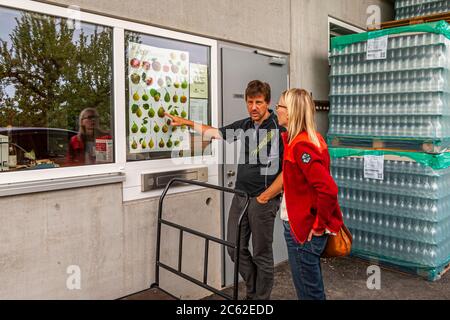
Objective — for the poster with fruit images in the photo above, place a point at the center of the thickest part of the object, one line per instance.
(158, 84)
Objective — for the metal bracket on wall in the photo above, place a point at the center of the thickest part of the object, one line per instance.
(322, 105)
(154, 181)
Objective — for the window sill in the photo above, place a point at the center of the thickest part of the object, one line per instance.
(13, 189)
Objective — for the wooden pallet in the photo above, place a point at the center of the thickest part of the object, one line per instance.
(430, 275)
(446, 269)
(386, 145)
(411, 21)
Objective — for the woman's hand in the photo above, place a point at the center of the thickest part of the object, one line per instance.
(314, 234)
(176, 121)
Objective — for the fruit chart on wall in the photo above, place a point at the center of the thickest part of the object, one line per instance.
(158, 84)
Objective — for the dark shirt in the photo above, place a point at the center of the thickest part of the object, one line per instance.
(261, 154)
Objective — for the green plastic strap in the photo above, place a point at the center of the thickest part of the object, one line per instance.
(439, 27)
(434, 161)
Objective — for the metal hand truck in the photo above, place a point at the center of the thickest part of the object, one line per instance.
(236, 245)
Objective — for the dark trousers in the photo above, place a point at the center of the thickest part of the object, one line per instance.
(304, 260)
(256, 270)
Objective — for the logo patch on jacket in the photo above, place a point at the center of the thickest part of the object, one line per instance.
(306, 158)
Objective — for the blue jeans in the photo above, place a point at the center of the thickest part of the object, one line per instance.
(304, 260)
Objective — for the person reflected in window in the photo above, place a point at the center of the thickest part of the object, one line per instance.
(82, 146)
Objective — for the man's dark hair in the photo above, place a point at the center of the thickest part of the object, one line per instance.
(258, 88)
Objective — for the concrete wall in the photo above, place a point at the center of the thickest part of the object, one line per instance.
(262, 23)
(113, 244)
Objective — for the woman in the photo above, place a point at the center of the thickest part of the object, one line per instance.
(82, 146)
(310, 193)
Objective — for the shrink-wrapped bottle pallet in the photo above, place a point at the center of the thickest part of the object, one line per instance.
(402, 219)
(401, 101)
(405, 9)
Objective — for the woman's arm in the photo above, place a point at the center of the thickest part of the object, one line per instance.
(274, 190)
(318, 176)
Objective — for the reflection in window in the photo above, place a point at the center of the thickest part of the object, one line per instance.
(165, 76)
(56, 105)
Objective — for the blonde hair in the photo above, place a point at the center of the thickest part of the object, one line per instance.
(301, 112)
(82, 130)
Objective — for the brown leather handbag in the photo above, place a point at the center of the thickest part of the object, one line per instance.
(339, 245)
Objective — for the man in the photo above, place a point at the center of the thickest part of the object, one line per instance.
(262, 180)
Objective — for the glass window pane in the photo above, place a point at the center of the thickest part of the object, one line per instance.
(56, 106)
(165, 76)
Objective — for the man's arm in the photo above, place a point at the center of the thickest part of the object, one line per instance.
(274, 190)
(207, 132)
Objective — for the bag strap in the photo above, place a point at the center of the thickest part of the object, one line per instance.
(347, 232)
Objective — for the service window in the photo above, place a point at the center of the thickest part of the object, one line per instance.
(165, 76)
(56, 105)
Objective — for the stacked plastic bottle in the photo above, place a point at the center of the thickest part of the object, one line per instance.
(404, 218)
(402, 99)
(405, 9)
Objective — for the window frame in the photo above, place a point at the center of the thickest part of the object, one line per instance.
(343, 25)
(132, 170)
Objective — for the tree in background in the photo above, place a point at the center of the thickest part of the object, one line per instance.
(50, 72)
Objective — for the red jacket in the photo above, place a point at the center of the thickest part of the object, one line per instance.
(76, 154)
(310, 192)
